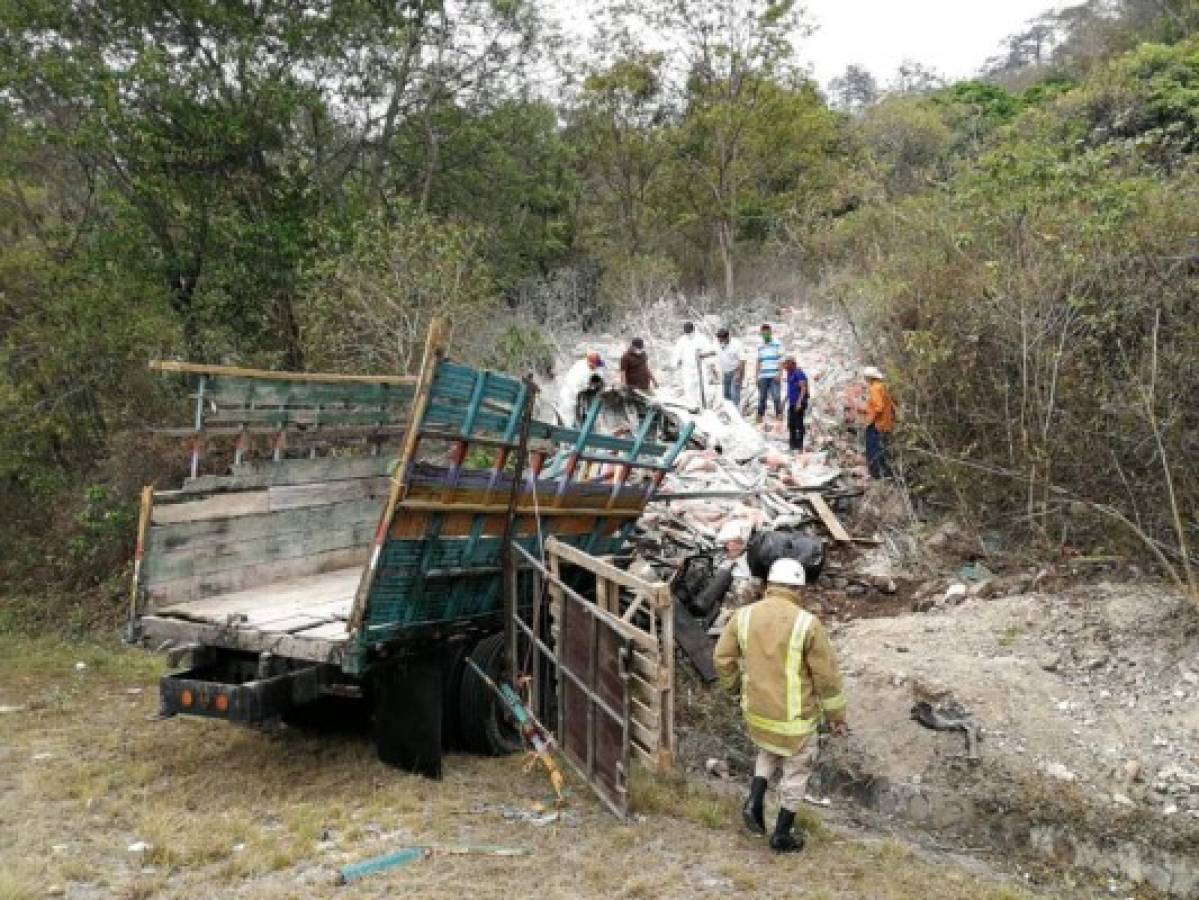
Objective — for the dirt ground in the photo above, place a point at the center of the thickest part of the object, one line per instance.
(1088, 702)
(228, 811)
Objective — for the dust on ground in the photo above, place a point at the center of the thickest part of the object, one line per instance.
(229, 811)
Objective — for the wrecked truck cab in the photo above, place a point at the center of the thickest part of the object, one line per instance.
(360, 543)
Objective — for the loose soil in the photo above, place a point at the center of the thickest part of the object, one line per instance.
(229, 811)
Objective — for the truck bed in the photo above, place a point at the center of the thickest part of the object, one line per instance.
(316, 606)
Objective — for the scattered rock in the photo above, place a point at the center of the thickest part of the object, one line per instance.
(4, 710)
(1060, 772)
(80, 667)
(1132, 770)
(1050, 662)
(717, 768)
(140, 847)
(955, 594)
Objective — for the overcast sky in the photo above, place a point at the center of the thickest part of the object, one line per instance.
(954, 37)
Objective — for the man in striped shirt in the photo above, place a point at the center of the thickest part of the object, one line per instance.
(770, 354)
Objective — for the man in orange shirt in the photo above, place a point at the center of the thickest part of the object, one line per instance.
(880, 422)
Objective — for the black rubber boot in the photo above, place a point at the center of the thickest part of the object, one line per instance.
(754, 811)
(783, 841)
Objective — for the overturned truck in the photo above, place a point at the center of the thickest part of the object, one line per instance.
(368, 534)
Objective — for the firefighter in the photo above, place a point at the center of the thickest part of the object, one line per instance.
(780, 655)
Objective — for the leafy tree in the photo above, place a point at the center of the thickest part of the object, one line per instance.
(854, 89)
(725, 58)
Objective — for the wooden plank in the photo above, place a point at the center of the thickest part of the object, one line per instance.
(139, 549)
(311, 591)
(169, 365)
(224, 506)
(599, 566)
(157, 631)
(434, 349)
(828, 517)
(299, 495)
(199, 586)
(267, 473)
(224, 556)
(178, 536)
(330, 631)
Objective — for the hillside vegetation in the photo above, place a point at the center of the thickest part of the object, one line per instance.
(283, 185)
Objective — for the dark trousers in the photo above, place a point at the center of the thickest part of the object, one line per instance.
(795, 426)
(876, 452)
(769, 387)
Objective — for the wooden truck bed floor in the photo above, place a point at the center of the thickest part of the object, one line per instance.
(309, 606)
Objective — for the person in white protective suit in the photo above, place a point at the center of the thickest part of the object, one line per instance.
(578, 379)
(689, 353)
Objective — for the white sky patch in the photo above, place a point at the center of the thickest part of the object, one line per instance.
(954, 37)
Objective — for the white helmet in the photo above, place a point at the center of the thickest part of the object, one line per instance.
(787, 571)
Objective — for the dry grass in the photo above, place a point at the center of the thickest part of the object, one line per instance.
(232, 811)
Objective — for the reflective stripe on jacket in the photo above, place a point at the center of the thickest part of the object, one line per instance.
(787, 670)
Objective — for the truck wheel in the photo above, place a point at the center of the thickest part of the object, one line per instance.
(454, 662)
(484, 725)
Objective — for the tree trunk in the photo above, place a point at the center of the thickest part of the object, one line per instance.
(724, 235)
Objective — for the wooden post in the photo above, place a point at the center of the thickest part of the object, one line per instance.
(434, 348)
(508, 560)
(143, 527)
(665, 609)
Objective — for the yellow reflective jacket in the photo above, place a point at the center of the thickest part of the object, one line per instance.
(787, 669)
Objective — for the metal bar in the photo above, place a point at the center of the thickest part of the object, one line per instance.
(546, 651)
(507, 559)
(581, 442)
(498, 510)
(199, 427)
(236, 372)
(476, 398)
(702, 495)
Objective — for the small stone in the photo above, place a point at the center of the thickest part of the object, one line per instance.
(1050, 662)
(717, 768)
(855, 590)
(956, 593)
(1121, 799)
(1132, 770)
(139, 847)
(5, 710)
(80, 667)
(1169, 809)
(55, 890)
(1060, 772)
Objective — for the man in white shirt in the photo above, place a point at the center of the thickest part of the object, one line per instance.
(732, 366)
(689, 351)
(578, 378)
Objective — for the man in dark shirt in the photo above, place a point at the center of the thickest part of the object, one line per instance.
(634, 368)
(797, 401)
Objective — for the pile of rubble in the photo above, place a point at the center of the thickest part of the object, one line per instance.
(741, 476)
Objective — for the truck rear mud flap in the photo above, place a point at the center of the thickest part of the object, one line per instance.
(209, 691)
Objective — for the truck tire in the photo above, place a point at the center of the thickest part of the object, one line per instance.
(484, 726)
(454, 662)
